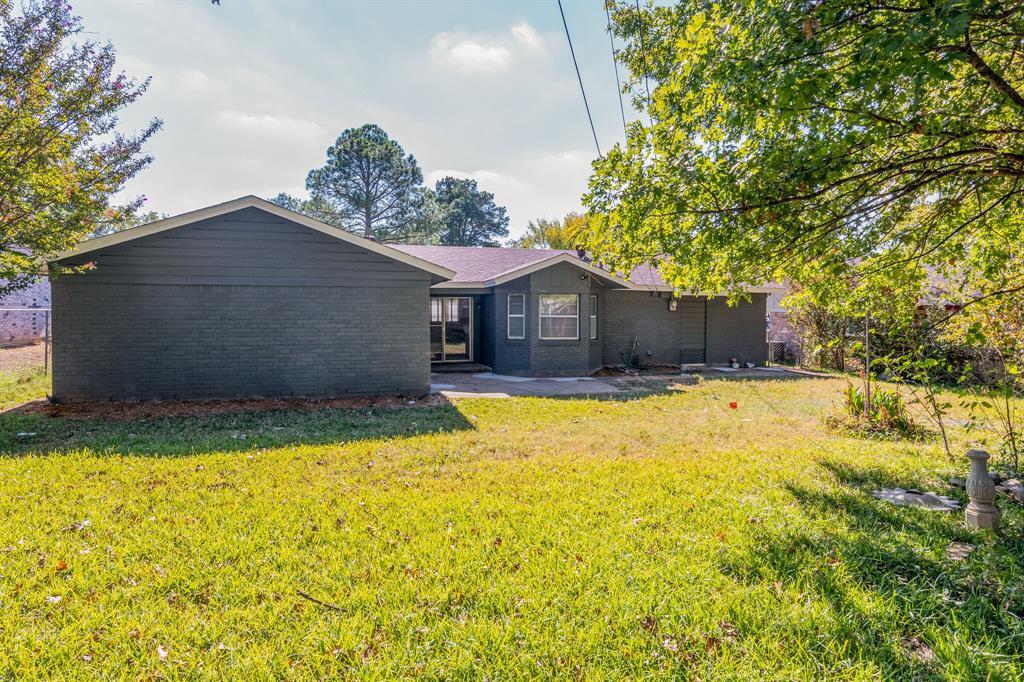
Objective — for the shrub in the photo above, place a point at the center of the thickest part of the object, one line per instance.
(887, 413)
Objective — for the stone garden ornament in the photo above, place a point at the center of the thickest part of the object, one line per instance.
(981, 489)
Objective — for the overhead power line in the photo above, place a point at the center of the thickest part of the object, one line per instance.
(615, 61)
(579, 77)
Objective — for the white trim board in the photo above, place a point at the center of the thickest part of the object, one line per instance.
(250, 201)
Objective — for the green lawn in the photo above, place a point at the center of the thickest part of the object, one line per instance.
(17, 387)
(663, 535)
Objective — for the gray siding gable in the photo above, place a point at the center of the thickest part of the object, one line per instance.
(249, 246)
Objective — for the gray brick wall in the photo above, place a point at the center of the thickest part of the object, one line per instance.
(699, 330)
(143, 341)
(250, 305)
(559, 357)
(666, 337)
(511, 356)
(645, 317)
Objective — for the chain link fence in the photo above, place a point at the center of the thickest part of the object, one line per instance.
(785, 345)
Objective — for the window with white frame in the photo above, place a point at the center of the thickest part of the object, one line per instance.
(517, 316)
(593, 317)
(559, 316)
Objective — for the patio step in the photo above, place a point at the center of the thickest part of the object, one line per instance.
(459, 368)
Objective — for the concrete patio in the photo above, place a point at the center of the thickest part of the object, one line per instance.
(491, 385)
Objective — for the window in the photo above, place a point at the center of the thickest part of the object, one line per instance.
(559, 316)
(593, 317)
(517, 316)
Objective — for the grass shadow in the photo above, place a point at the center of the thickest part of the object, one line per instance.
(873, 565)
(23, 434)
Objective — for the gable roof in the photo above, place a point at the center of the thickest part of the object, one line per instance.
(90, 245)
(486, 266)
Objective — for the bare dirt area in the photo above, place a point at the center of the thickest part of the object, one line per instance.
(124, 411)
(21, 359)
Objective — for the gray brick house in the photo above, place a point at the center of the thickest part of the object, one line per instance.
(249, 299)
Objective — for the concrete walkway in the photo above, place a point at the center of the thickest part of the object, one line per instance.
(491, 385)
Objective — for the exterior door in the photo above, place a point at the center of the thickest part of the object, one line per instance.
(451, 328)
(693, 314)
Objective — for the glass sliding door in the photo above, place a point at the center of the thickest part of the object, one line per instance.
(451, 328)
(436, 329)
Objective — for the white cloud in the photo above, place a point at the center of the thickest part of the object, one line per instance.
(484, 54)
(527, 35)
(194, 81)
(266, 124)
(468, 55)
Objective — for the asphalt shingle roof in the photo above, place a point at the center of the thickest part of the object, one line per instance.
(479, 263)
(482, 263)
(476, 264)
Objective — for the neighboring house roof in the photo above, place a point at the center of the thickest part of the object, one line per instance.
(648, 277)
(485, 266)
(123, 236)
(942, 290)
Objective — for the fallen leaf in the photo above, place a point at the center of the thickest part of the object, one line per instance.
(61, 566)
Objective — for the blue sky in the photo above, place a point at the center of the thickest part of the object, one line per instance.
(252, 93)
